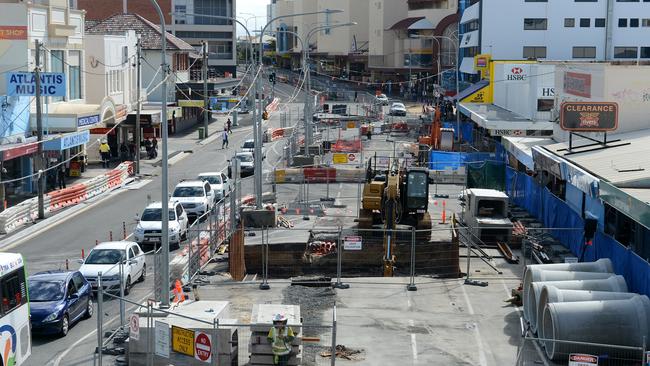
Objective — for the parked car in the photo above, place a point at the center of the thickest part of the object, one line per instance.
(57, 300)
(381, 99)
(397, 109)
(219, 183)
(106, 257)
(195, 196)
(148, 231)
(246, 163)
(249, 146)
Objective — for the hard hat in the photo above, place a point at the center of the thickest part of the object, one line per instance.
(103, 141)
(279, 318)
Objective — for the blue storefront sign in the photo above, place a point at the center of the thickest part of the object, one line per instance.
(67, 141)
(24, 84)
(87, 120)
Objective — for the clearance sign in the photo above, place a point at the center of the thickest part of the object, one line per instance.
(589, 116)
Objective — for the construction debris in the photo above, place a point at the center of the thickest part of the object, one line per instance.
(345, 353)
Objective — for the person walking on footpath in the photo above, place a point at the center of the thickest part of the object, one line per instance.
(281, 338)
(224, 142)
(105, 152)
(60, 175)
(228, 125)
(154, 147)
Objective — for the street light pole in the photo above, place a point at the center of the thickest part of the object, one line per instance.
(164, 239)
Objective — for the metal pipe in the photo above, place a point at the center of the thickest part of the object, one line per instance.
(100, 318)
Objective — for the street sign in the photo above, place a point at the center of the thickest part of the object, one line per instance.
(161, 339)
(134, 327)
(352, 243)
(351, 157)
(183, 340)
(24, 84)
(339, 158)
(578, 359)
(589, 116)
(203, 347)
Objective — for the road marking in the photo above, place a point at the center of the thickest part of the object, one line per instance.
(414, 343)
(477, 334)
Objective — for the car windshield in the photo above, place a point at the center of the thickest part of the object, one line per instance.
(188, 192)
(45, 290)
(212, 179)
(105, 256)
(245, 158)
(248, 145)
(155, 214)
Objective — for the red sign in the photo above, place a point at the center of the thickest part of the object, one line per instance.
(203, 347)
(19, 151)
(577, 84)
(13, 32)
(517, 70)
(582, 359)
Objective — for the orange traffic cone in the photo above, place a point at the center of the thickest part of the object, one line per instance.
(444, 211)
(179, 296)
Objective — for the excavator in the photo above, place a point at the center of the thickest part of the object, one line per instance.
(436, 138)
(399, 195)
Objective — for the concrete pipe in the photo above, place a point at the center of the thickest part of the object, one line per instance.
(601, 265)
(609, 322)
(613, 283)
(552, 294)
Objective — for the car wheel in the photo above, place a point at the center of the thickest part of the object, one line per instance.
(144, 273)
(89, 309)
(127, 285)
(65, 325)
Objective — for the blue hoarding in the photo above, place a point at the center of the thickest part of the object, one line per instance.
(24, 84)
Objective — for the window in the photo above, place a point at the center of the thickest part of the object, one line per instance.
(57, 65)
(131, 254)
(622, 22)
(213, 7)
(625, 52)
(14, 291)
(569, 22)
(544, 105)
(599, 22)
(585, 22)
(78, 280)
(534, 52)
(535, 23)
(180, 16)
(74, 74)
(645, 52)
(584, 52)
(634, 22)
(645, 22)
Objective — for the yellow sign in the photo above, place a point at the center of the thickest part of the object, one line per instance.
(338, 158)
(190, 103)
(482, 65)
(183, 340)
(280, 176)
(480, 96)
(352, 124)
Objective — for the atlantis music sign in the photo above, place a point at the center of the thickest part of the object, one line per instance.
(589, 116)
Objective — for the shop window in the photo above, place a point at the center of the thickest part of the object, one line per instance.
(545, 105)
(74, 74)
(625, 52)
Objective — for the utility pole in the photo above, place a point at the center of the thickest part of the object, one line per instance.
(206, 114)
(307, 108)
(39, 132)
(258, 131)
(138, 104)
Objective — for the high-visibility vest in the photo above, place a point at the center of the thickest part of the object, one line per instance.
(281, 340)
(104, 148)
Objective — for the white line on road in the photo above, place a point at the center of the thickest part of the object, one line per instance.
(414, 343)
(477, 334)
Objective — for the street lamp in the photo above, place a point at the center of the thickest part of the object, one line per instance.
(309, 136)
(258, 121)
(457, 73)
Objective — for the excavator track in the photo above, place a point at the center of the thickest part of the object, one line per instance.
(423, 228)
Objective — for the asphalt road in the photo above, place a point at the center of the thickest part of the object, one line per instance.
(64, 240)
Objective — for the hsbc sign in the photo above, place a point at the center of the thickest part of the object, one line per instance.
(516, 72)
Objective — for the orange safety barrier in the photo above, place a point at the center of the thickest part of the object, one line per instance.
(277, 133)
(67, 196)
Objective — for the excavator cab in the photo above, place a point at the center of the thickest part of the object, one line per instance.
(416, 199)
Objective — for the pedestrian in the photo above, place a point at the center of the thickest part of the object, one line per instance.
(281, 338)
(228, 125)
(147, 146)
(154, 147)
(105, 152)
(132, 150)
(224, 142)
(61, 176)
(124, 152)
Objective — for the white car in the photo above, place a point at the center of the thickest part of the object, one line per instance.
(149, 229)
(249, 146)
(381, 99)
(246, 163)
(218, 182)
(106, 258)
(195, 196)
(397, 109)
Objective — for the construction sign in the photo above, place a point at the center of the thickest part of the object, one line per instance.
(578, 359)
(203, 347)
(183, 340)
(339, 158)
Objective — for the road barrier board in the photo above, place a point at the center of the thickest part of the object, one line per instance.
(183, 340)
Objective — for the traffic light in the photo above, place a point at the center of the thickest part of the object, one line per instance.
(272, 78)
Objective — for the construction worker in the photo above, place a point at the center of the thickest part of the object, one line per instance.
(281, 337)
(105, 152)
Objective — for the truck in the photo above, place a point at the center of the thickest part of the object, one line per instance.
(485, 213)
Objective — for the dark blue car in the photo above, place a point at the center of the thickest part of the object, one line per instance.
(58, 299)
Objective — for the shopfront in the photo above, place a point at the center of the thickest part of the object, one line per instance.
(17, 162)
(70, 148)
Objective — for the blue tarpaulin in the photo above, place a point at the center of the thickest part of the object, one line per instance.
(442, 160)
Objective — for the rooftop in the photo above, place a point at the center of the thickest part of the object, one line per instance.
(150, 34)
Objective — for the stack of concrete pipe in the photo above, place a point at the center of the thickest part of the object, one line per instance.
(569, 303)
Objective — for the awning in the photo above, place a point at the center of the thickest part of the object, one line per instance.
(422, 24)
(521, 148)
(467, 65)
(67, 141)
(470, 13)
(502, 122)
(69, 117)
(633, 202)
(471, 90)
(405, 23)
(12, 151)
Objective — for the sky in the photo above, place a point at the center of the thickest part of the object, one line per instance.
(257, 7)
